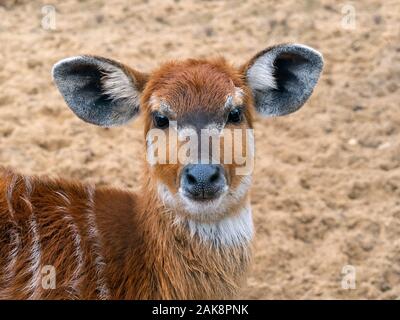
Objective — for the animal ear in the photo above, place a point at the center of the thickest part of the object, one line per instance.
(98, 90)
(283, 77)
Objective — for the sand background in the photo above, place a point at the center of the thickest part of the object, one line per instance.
(327, 180)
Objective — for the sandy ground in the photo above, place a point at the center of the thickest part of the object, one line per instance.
(327, 180)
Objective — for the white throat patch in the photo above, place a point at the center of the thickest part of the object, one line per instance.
(209, 222)
(230, 231)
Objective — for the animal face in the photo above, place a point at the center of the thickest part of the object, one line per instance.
(197, 104)
(198, 117)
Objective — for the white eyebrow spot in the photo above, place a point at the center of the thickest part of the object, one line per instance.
(238, 96)
(153, 101)
(166, 108)
(234, 99)
(157, 103)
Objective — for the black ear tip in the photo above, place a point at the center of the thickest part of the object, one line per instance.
(62, 67)
(56, 70)
(315, 57)
(294, 69)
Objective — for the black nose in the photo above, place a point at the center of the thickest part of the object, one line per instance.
(203, 181)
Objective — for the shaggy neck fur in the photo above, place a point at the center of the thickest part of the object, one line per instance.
(187, 259)
(107, 243)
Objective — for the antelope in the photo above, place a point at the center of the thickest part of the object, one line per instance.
(187, 233)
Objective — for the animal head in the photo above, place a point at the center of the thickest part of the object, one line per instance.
(185, 105)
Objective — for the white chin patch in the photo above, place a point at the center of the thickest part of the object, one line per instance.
(219, 221)
(207, 208)
(233, 230)
(211, 210)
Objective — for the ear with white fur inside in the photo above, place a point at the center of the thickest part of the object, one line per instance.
(283, 77)
(98, 90)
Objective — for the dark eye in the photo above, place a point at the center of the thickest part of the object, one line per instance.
(235, 116)
(160, 121)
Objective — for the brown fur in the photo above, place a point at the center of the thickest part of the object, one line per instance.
(144, 256)
(111, 244)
